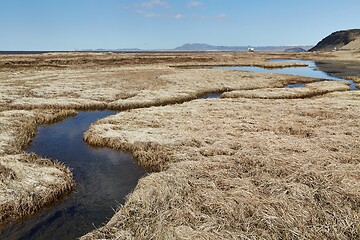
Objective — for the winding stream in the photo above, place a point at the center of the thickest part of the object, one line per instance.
(103, 178)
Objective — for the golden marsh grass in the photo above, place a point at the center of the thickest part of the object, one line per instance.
(240, 168)
(309, 90)
(284, 167)
(27, 181)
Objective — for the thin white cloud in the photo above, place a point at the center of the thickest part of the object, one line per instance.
(194, 4)
(147, 14)
(162, 9)
(156, 15)
(139, 12)
(152, 15)
(219, 17)
(179, 16)
(154, 3)
(149, 8)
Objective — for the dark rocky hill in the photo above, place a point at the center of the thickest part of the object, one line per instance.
(337, 40)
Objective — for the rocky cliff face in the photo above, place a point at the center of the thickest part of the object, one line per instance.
(338, 40)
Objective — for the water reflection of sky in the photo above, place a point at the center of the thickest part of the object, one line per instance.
(310, 71)
(103, 178)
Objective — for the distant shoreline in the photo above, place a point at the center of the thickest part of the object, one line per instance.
(140, 51)
(194, 49)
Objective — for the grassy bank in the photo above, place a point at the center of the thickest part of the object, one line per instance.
(268, 163)
(28, 182)
(309, 90)
(242, 168)
(98, 81)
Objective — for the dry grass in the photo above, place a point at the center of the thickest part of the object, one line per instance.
(27, 182)
(6, 173)
(240, 169)
(53, 115)
(30, 184)
(98, 81)
(356, 79)
(309, 90)
(255, 62)
(226, 168)
(17, 128)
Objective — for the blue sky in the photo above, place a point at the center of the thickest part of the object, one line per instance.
(165, 24)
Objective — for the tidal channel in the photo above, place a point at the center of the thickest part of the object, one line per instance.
(103, 177)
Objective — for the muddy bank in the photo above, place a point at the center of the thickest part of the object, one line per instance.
(340, 69)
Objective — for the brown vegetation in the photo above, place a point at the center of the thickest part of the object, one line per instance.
(226, 168)
(49, 116)
(309, 90)
(27, 182)
(242, 168)
(356, 79)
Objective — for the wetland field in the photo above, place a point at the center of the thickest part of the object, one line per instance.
(181, 145)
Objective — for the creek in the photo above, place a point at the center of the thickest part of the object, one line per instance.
(103, 178)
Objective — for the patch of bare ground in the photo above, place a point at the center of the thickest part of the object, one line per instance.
(240, 169)
(309, 90)
(27, 182)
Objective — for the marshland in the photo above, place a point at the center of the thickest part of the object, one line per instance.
(228, 154)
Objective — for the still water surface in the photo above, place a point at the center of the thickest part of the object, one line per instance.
(103, 178)
(312, 70)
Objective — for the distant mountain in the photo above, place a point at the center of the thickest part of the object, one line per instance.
(129, 49)
(207, 47)
(295, 50)
(345, 39)
(112, 50)
(192, 46)
(199, 47)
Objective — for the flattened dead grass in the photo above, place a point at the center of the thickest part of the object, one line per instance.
(27, 182)
(309, 90)
(240, 169)
(144, 81)
(230, 168)
(356, 79)
(53, 115)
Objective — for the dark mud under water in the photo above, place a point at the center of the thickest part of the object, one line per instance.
(103, 178)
